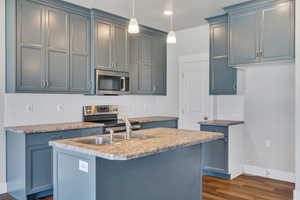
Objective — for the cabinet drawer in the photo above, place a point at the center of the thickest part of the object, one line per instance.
(161, 124)
(44, 138)
(220, 129)
(91, 132)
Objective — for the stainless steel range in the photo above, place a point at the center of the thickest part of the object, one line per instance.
(108, 115)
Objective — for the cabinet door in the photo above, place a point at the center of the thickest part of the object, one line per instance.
(79, 56)
(244, 38)
(216, 156)
(277, 36)
(159, 65)
(103, 44)
(222, 77)
(215, 153)
(133, 46)
(145, 76)
(58, 50)
(120, 48)
(39, 168)
(30, 46)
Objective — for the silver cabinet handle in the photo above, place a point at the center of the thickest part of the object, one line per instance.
(43, 84)
(47, 84)
(261, 54)
(257, 53)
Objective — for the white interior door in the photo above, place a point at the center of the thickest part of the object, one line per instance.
(195, 102)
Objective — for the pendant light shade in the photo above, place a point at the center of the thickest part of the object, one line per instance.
(171, 39)
(133, 27)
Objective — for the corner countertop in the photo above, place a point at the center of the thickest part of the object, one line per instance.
(221, 122)
(161, 140)
(43, 128)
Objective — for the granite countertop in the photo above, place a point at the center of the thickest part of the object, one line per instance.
(153, 119)
(161, 140)
(221, 122)
(43, 128)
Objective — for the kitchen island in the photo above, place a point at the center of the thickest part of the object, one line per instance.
(160, 164)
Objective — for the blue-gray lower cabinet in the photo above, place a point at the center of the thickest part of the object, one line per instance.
(215, 153)
(29, 161)
(224, 158)
(160, 124)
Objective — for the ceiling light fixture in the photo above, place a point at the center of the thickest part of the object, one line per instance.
(171, 39)
(133, 27)
(168, 12)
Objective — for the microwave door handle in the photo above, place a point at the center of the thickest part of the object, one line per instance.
(123, 84)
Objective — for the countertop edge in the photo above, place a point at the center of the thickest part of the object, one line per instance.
(89, 152)
(35, 129)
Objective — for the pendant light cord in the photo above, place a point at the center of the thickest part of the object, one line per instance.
(133, 8)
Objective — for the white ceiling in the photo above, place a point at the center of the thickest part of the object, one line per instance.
(187, 13)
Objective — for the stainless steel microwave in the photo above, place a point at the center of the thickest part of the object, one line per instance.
(112, 83)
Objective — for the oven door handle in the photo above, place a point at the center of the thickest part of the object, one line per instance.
(123, 84)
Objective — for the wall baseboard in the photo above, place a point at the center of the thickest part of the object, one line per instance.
(3, 188)
(270, 173)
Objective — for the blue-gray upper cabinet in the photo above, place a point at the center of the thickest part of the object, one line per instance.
(31, 47)
(57, 51)
(222, 77)
(261, 31)
(110, 41)
(52, 47)
(159, 63)
(147, 63)
(80, 79)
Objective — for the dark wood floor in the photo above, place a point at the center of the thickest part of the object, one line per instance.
(241, 188)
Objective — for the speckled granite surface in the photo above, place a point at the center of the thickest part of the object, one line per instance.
(163, 139)
(153, 119)
(43, 128)
(221, 122)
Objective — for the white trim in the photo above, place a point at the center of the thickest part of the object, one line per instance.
(270, 173)
(194, 58)
(3, 188)
(296, 194)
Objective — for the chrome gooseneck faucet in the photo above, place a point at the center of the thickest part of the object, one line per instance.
(128, 128)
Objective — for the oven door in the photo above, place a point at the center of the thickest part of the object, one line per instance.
(111, 83)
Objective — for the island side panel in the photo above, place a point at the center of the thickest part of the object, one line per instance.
(173, 175)
(16, 165)
(73, 175)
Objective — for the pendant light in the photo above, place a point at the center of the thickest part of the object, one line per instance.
(133, 27)
(171, 39)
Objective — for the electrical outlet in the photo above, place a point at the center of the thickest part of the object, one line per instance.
(29, 108)
(268, 143)
(60, 108)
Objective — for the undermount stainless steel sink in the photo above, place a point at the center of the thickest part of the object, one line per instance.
(107, 140)
(95, 141)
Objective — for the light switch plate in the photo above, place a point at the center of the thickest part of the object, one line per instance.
(83, 166)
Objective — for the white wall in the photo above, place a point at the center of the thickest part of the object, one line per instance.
(45, 106)
(269, 115)
(297, 90)
(265, 101)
